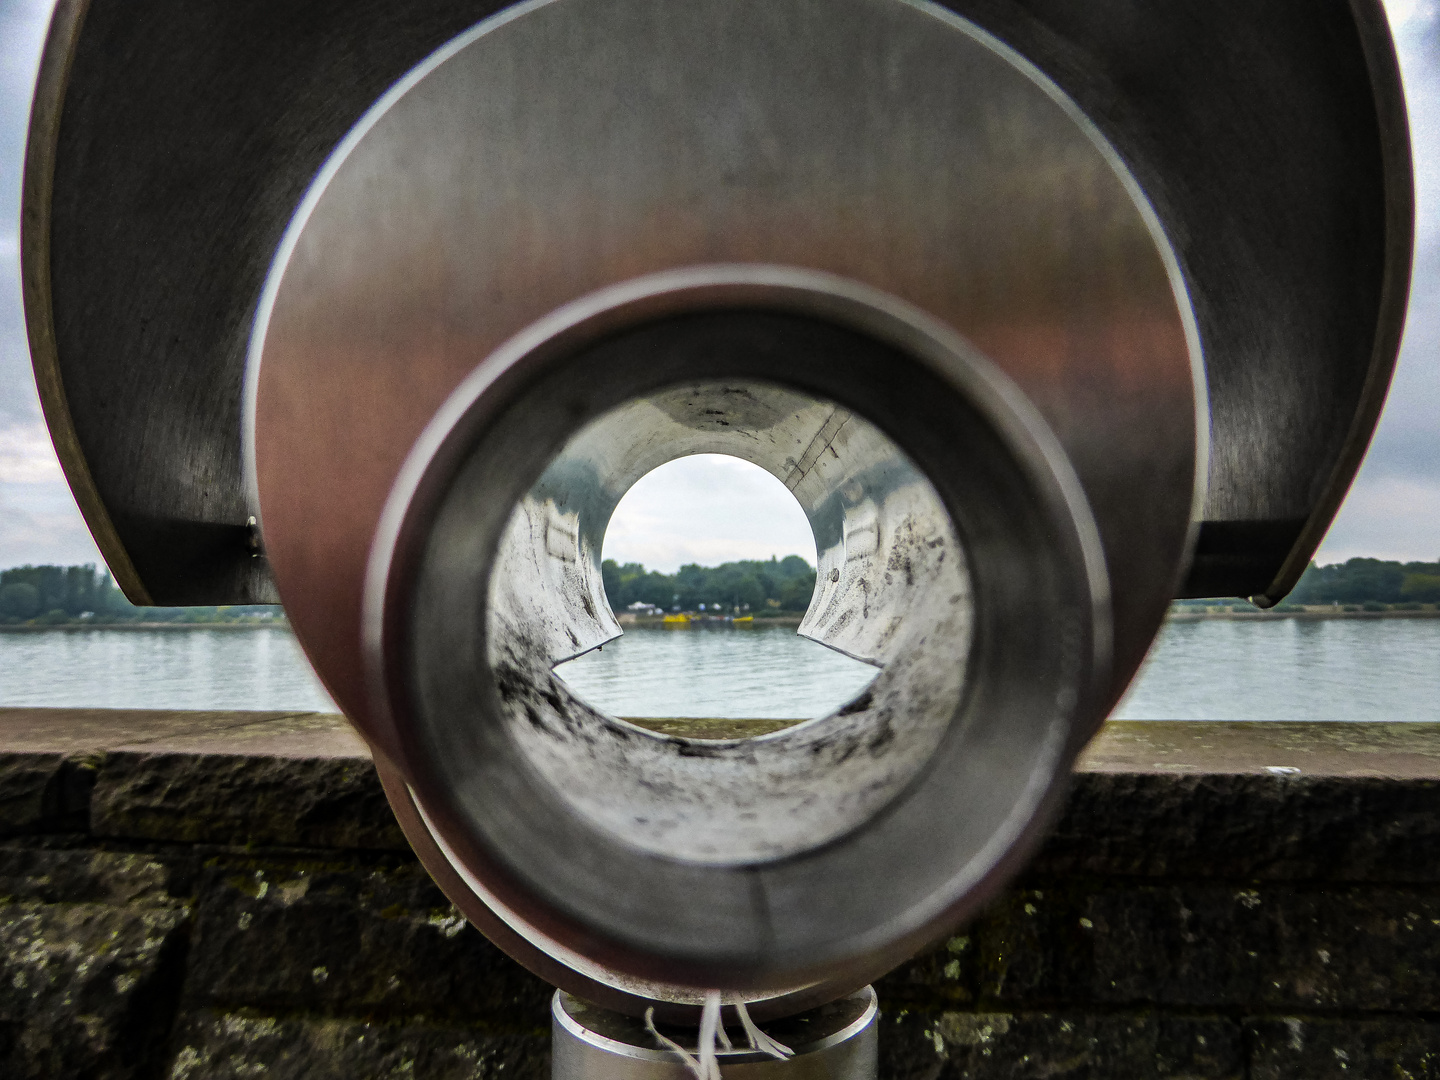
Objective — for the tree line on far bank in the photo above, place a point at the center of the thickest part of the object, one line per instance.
(754, 585)
(1376, 582)
(67, 594)
(1357, 581)
(58, 595)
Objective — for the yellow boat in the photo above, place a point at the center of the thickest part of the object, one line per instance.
(681, 618)
(744, 618)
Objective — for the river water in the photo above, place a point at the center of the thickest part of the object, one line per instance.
(1282, 669)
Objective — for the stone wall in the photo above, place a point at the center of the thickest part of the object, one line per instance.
(225, 895)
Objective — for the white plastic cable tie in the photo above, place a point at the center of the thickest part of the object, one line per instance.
(758, 1039)
(709, 1025)
(700, 1068)
(723, 1035)
(670, 1044)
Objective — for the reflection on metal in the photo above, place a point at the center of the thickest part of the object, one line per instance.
(551, 960)
(838, 1041)
(799, 864)
(992, 487)
(1038, 250)
(170, 146)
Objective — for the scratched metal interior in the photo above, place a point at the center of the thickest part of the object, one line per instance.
(893, 590)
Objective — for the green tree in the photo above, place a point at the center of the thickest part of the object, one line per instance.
(1421, 587)
(789, 582)
(71, 590)
(19, 600)
(796, 593)
(1357, 581)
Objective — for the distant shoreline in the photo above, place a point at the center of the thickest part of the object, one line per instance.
(656, 622)
(31, 628)
(1310, 614)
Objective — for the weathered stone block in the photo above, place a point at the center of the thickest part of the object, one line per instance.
(1296, 1048)
(1205, 945)
(1246, 826)
(44, 792)
(87, 990)
(1165, 908)
(84, 875)
(1057, 1046)
(942, 976)
(234, 1046)
(350, 940)
(240, 799)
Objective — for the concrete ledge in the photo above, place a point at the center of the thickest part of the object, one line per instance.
(198, 895)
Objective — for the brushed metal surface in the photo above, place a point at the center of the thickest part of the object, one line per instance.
(487, 203)
(836, 1042)
(693, 863)
(1273, 143)
(182, 139)
(166, 162)
(550, 960)
(633, 850)
(1016, 229)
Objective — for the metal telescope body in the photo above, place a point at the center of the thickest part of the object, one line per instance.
(1045, 313)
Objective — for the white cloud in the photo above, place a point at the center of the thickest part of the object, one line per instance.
(707, 509)
(39, 523)
(1401, 12)
(23, 24)
(28, 457)
(1387, 517)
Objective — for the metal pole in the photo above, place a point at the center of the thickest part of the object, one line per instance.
(838, 1041)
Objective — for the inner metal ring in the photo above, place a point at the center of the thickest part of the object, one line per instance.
(893, 588)
(904, 160)
(927, 787)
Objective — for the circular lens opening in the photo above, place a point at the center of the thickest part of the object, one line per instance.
(709, 566)
(891, 573)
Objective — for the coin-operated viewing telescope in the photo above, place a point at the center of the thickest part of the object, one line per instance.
(1045, 313)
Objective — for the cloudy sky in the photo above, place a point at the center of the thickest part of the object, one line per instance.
(38, 519)
(710, 509)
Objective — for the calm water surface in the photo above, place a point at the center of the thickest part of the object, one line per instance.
(250, 668)
(1290, 669)
(1380, 669)
(768, 672)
